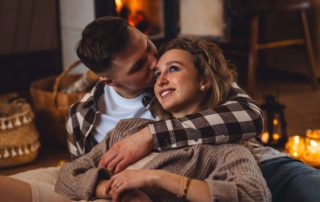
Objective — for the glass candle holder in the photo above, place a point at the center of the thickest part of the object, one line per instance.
(312, 151)
(295, 146)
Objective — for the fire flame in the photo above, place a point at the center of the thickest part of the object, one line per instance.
(119, 5)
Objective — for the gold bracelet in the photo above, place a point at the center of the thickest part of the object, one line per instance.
(185, 190)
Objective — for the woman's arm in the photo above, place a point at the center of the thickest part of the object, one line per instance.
(193, 190)
(235, 176)
(78, 179)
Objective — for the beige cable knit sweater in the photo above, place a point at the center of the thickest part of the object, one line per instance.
(229, 170)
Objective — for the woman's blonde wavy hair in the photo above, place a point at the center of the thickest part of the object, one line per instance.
(211, 65)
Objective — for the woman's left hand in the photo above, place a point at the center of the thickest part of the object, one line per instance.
(130, 179)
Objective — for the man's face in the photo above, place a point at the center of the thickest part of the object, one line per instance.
(134, 67)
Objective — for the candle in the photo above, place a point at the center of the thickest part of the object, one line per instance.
(295, 146)
(312, 152)
(265, 137)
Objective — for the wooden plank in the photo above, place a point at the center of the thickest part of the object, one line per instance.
(23, 26)
(8, 22)
(44, 26)
(252, 56)
(309, 50)
(283, 43)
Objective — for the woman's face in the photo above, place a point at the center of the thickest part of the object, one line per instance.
(178, 85)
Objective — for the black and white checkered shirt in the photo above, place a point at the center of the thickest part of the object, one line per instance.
(239, 118)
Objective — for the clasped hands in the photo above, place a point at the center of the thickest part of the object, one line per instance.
(117, 158)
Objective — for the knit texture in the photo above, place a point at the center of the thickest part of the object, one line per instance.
(229, 170)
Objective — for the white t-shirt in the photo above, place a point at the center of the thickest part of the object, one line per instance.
(114, 107)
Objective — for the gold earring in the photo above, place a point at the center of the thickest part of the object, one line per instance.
(202, 88)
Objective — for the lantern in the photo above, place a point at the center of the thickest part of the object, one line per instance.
(276, 128)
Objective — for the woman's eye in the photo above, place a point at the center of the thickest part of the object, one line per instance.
(157, 74)
(173, 68)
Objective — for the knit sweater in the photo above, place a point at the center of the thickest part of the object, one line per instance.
(229, 170)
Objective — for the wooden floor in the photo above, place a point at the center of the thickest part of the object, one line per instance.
(302, 112)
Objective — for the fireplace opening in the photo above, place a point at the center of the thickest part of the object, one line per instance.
(159, 19)
(145, 15)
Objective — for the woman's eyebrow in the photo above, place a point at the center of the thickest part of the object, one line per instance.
(173, 61)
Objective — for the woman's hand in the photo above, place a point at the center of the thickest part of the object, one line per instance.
(131, 179)
(103, 189)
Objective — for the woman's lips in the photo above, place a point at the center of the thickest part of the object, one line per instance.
(166, 92)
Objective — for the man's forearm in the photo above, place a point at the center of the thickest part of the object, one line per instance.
(239, 118)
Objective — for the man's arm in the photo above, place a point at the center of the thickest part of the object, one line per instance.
(239, 118)
(70, 126)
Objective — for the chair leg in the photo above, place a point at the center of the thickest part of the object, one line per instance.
(252, 56)
(309, 50)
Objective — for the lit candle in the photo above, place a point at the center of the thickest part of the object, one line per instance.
(295, 146)
(312, 153)
(265, 137)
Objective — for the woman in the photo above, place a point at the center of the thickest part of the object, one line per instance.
(192, 75)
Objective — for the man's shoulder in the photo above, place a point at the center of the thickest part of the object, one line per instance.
(87, 103)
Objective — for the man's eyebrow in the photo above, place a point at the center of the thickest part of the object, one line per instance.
(141, 60)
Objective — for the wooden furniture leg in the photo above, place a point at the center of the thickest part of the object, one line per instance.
(309, 50)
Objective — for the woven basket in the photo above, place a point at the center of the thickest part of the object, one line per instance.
(19, 138)
(51, 106)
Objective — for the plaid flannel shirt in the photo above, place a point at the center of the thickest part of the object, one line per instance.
(239, 118)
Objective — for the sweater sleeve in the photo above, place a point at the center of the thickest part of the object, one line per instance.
(237, 178)
(78, 179)
(238, 118)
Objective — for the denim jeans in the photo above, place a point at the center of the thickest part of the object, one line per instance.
(290, 180)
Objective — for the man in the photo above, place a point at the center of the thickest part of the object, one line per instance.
(124, 60)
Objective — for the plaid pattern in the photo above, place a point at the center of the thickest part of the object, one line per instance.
(239, 118)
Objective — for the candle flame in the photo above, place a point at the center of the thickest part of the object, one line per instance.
(275, 122)
(265, 137)
(296, 139)
(313, 143)
(276, 136)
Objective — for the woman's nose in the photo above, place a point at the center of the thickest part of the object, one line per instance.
(162, 80)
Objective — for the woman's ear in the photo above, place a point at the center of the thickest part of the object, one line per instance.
(107, 80)
(205, 84)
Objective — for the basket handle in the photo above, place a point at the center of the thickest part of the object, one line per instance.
(65, 72)
(58, 79)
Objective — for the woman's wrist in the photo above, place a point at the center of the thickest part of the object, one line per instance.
(155, 177)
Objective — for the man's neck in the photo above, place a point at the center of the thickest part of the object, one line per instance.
(127, 94)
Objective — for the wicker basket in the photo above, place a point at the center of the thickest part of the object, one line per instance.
(51, 106)
(19, 143)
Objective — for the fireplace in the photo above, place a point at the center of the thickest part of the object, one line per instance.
(157, 18)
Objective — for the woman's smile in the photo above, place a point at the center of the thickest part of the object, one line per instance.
(166, 92)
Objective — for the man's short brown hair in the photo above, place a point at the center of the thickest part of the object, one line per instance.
(101, 39)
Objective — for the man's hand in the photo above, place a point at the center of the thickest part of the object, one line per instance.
(127, 151)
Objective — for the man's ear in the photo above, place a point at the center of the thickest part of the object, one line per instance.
(107, 80)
